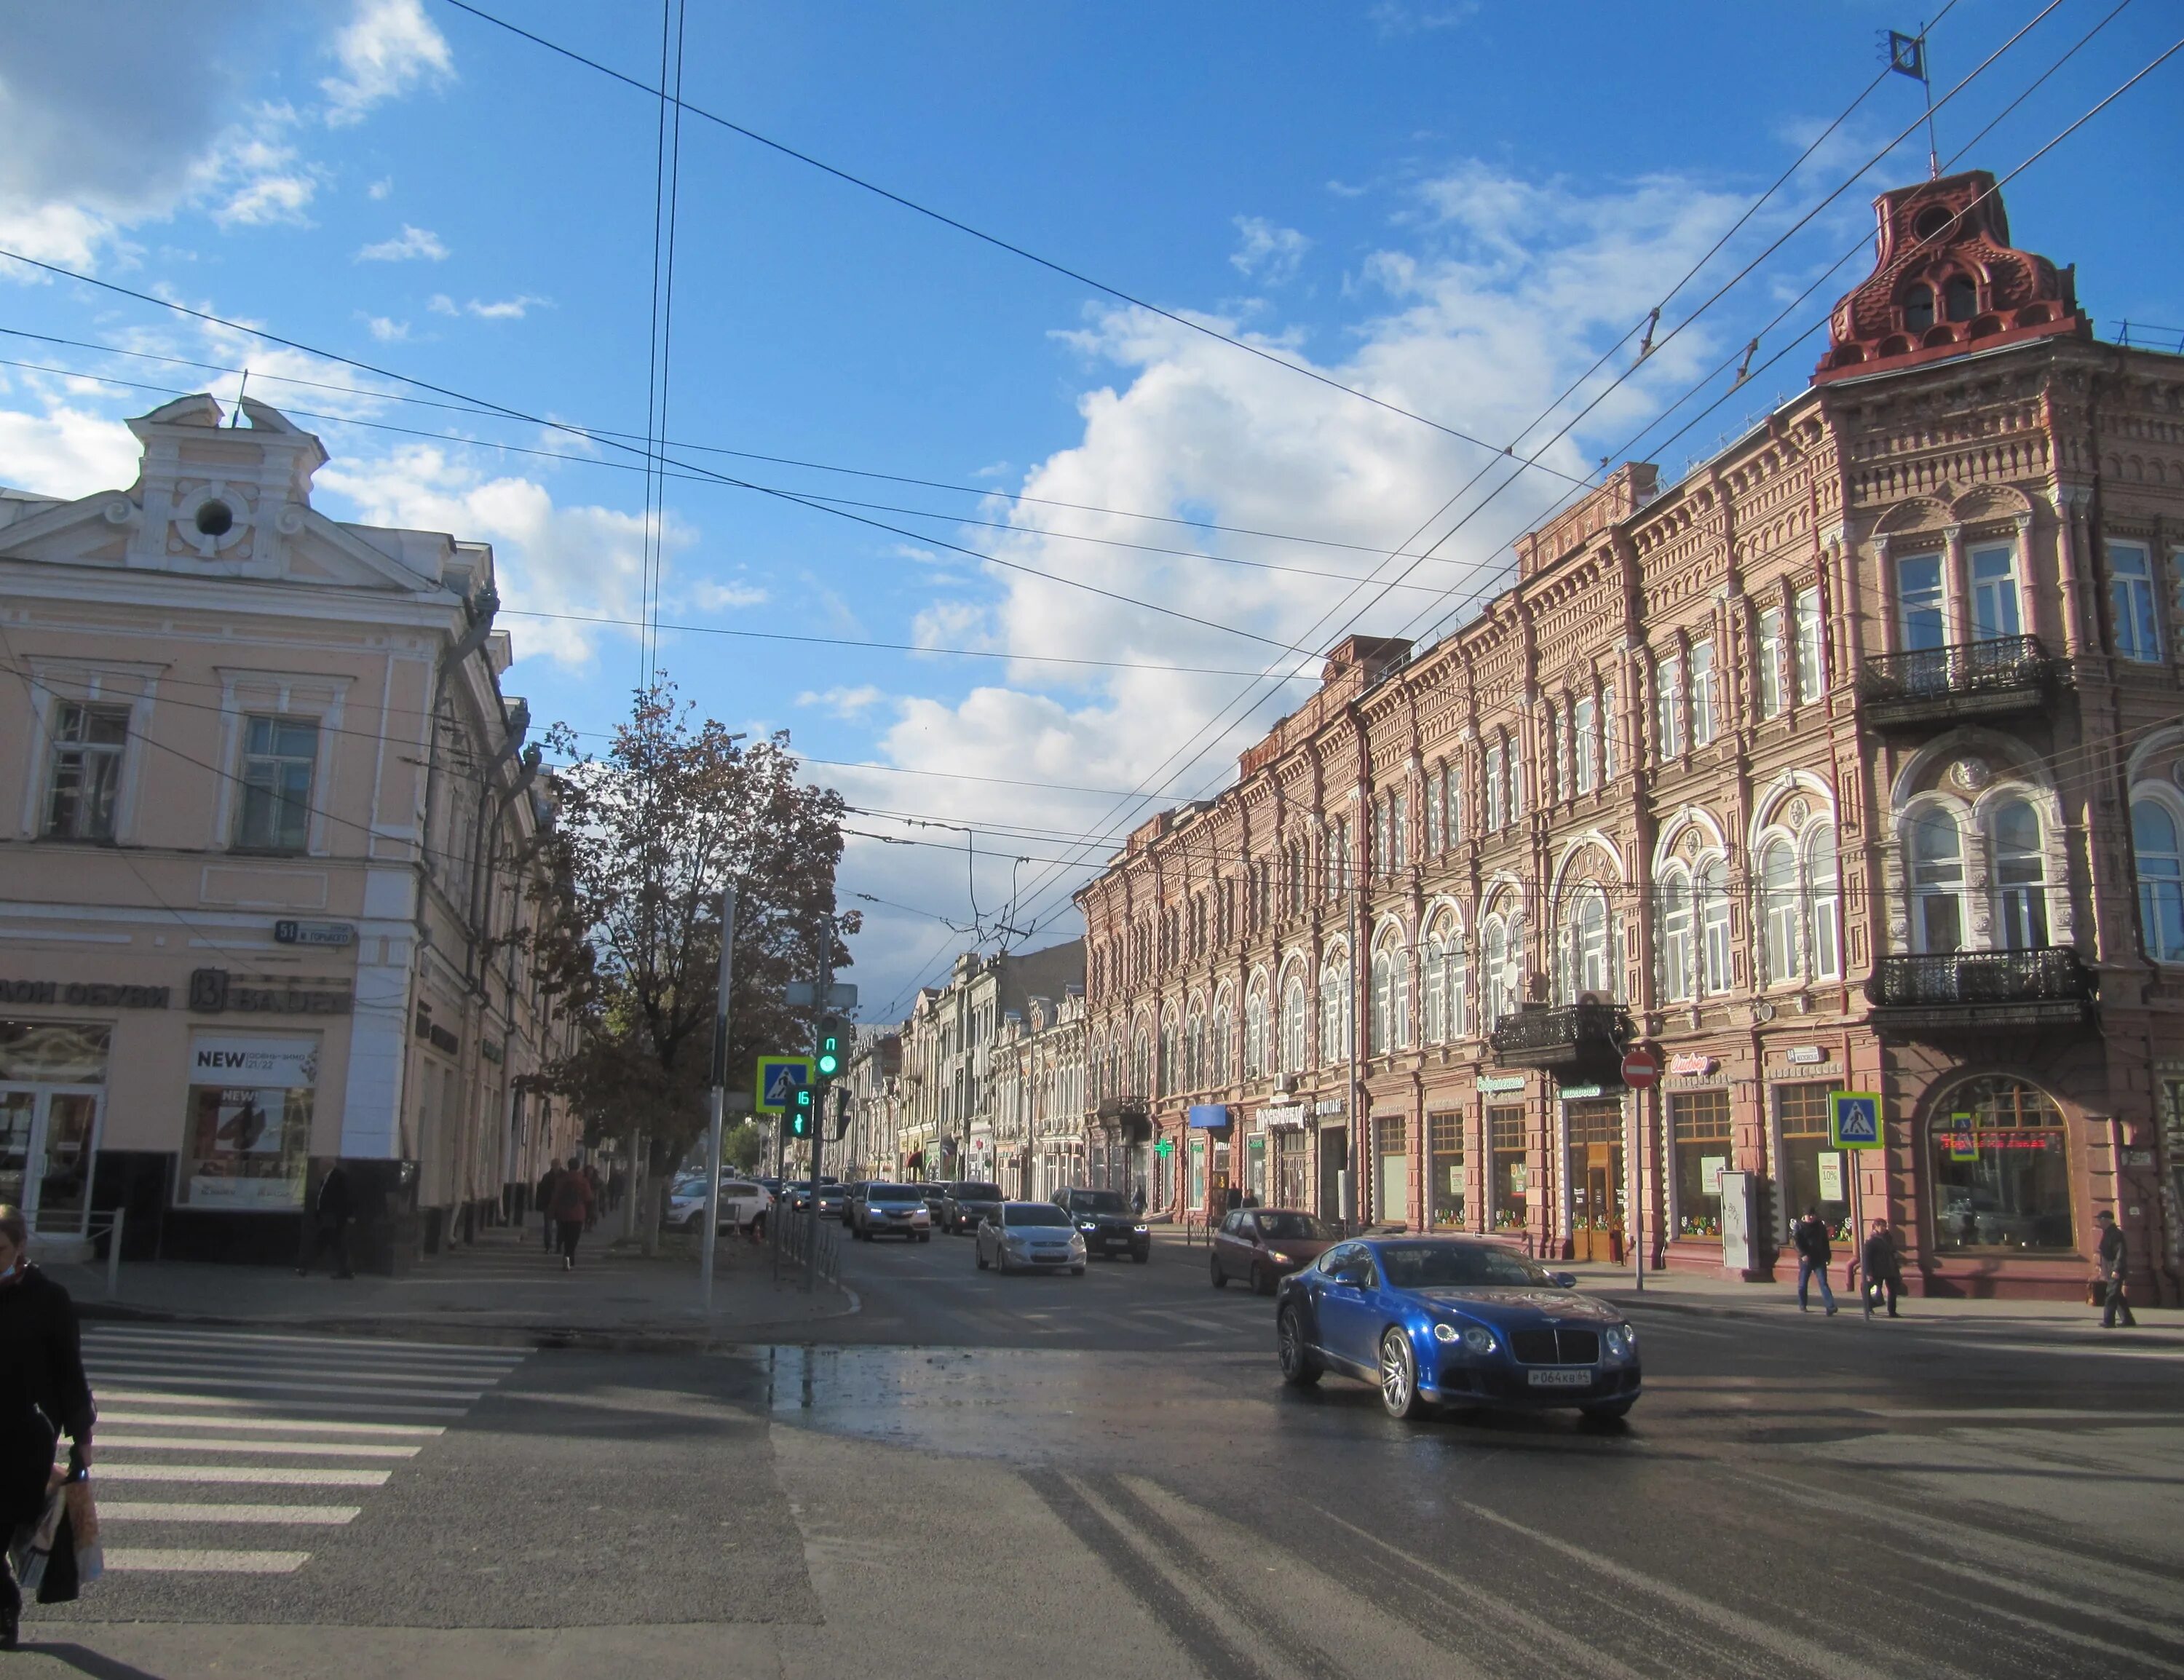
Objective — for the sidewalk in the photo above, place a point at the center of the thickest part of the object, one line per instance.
(506, 1288)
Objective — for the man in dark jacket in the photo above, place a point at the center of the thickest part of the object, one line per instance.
(572, 1211)
(43, 1395)
(547, 1184)
(1809, 1236)
(328, 1224)
(1881, 1268)
(2115, 1259)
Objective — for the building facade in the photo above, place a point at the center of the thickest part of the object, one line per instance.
(1852, 763)
(1036, 1081)
(263, 867)
(872, 1146)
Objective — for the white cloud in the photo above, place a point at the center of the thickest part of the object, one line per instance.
(722, 597)
(270, 198)
(410, 245)
(505, 309)
(1267, 253)
(382, 188)
(844, 703)
(388, 48)
(66, 452)
(387, 331)
(1391, 17)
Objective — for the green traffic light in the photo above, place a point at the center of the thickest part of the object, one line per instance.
(799, 1119)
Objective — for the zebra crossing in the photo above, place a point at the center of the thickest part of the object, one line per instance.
(209, 1438)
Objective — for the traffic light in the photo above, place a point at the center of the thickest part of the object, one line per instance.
(833, 1031)
(801, 1113)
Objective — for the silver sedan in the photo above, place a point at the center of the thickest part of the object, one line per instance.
(1030, 1236)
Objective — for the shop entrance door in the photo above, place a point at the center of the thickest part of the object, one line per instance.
(1595, 1181)
(47, 1138)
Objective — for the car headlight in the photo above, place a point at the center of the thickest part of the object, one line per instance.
(1621, 1342)
(1087, 1227)
(1448, 1332)
(1141, 1229)
(1479, 1339)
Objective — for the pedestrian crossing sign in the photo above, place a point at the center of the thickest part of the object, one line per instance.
(778, 1077)
(1854, 1120)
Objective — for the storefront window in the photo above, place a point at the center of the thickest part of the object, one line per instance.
(1811, 1174)
(247, 1138)
(1446, 1189)
(1292, 1168)
(2002, 1169)
(50, 1076)
(1198, 1173)
(1394, 1181)
(1511, 1179)
(1254, 1166)
(1699, 1122)
(1596, 1177)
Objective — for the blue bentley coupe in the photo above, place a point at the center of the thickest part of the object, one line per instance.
(1450, 1321)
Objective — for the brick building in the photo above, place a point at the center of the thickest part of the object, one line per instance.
(1851, 762)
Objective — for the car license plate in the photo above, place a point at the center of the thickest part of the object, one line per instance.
(1560, 1379)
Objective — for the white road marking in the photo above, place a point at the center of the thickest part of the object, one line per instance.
(200, 1339)
(269, 1476)
(99, 1371)
(305, 1448)
(226, 1403)
(178, 1511)
(136, 1559)
(249, 1420)
(2025, 1414)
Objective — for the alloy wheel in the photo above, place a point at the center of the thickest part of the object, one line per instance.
(1398, 1385)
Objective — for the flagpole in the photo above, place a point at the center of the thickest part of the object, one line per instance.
(1926, 82)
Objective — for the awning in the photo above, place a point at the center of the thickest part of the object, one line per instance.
(1208, 1116)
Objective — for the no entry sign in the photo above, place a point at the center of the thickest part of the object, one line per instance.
(1641, 1067)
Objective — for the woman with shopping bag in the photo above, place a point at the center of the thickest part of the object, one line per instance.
(43, 1395)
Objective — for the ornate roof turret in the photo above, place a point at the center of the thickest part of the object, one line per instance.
(1946, 280)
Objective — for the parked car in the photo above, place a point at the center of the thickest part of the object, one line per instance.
(1263, 1245)
(890, 1210)
(744, 1204)
(852, 1193)
(1104, 1222)
(968, 1202)
(799, 1193)
(1031, 1236)
(936, 1204)
(1457, 1321)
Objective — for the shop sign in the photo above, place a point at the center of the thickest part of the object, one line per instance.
(1493, 1086)
(1288, 1117)
(86, 994)
(1206, 1116)
(490, 1049)
(214, 991)
(1831, 1175)
(327, 933)
(1807, 1055)
(1331, 1105)
(247, 1140)
(1576, 1094)
(1690, 1063)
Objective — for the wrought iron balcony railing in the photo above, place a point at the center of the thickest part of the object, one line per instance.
(2001, 674)
(1574, 1035)
(2000, 988)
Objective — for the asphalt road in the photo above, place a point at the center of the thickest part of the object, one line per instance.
(1103, 1476)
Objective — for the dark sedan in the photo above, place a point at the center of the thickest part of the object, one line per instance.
(1260, 1246)
(966, 1204)
(1104, 1220)
(1457, 1321)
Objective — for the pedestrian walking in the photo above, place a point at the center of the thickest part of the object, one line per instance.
(43, 1395)
(599, 1192)
(328, 1225)
(617, 1187)
(1809, 1236)
(572, 1211)
(2115, 1255)
(1880, 1267)
(1138, 1201)
(549, 1182)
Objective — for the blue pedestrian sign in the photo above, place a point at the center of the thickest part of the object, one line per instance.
(1854, 1120)
(779, 1079)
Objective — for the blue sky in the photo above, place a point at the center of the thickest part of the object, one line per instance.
(1455, 207)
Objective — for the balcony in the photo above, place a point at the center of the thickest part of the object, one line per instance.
(1978, 990)
(1986, 679)
(1579, 1043)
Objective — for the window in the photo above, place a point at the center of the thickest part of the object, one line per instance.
(1675, 975)
(1194, 1052)
(1224, 1028)
(278, 755)
(2130, 590)
(2001, 1170)
(1586, 722)
(1921, 622)
(1293, 1021)
(1779, 906)
(1698, 1121)
(1334, 1021)
(1919, 308)
(1391, 995)
(1770, 662)
(1434, 986)
(1937, 877)
(1668, 719)
(1994, 593)
(1809, 654)
(1960, 296)
(1512, 765)
(1496, 802)
(1557, 748)
(86, 776)
(1337, 859)
(1494, 945)
(1434, 839)
(2020, 894)
(1382, 843)
(1813, 1175)
(1141, 1063)
(2154, 837)
(1585, 966)
(1607, 725)
(1254, 1033)
(1509, 1176)
(1712, 909)
(1822, 884)
(1705, 703)
(1452, 787)
(1399, 832)
(1445, 1170)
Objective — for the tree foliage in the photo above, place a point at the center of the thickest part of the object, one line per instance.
(644, 838)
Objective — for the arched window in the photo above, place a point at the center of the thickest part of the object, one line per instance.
(1675, 954)
(1919, 308)
(1391, 994)
(1257, 1032)
(2001, 1170)
(1141, 1062)
(1335, 1030)
(1960, 296)
(1586, 967)
(1224, 1027)
(2154, 835)
(1712, 908)
(1778, 909)
(1502, 967)
(1459, 985)
(1937, 880)
(1194, 1050)
(1293, 1021)
(1434, 988)
(2020, 892)
(1823, 883)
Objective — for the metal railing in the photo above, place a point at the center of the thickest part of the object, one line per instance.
(2046, 974)
(2001, 664)
(73, 1223)
(794, 1235)
(1536, 1031)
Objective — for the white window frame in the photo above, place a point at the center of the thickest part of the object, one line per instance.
(1706, 696)
(1585, 725)
(1768, 652)
(1811, 656)
(2003, 589)
(1667, 714)
(1676, 970)
(2167, 886)
(2132, 597)
(1936, 601)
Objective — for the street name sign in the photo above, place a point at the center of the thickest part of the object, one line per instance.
(800, 994)
(778, 1078)
(1854, 1120)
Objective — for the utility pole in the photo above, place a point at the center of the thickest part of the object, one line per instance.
(1358, 1144)
(819, 1105)
(709, 1242)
